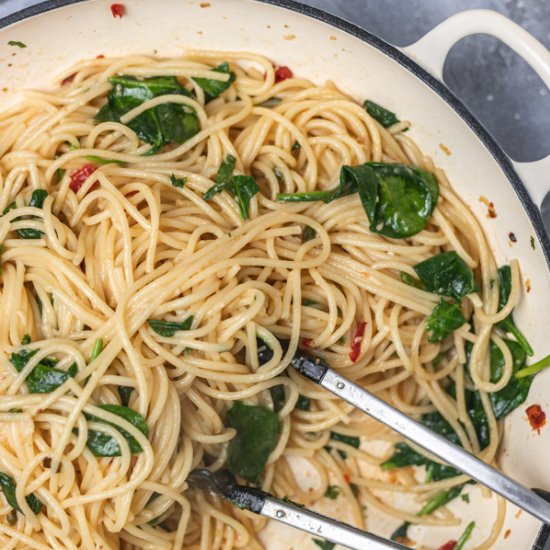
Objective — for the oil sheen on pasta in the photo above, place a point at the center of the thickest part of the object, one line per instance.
(143, 302)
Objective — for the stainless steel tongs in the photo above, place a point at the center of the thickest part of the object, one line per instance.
(223, 483)
(320, 373)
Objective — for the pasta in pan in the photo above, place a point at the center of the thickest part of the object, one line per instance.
(163, 218)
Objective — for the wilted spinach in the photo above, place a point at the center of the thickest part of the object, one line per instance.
(242, 188)
(44, 377)
(257, 435)
(383, 116)
(443, 320)
(446, 274)
(7, 483)
(103, 445)
(169, 328)
(165, 123)
(507, 324)
(398, 199)
(213, 88)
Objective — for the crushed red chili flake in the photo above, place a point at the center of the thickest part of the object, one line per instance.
(356, 342)
(507, 533)
(512, 237)
(347, 477)
(491, 212)
(81, 175)
(449, 545)
(282, 73)
(307, 342)
(118, 10)
(68, 80)
(536, 417)
(100, 56)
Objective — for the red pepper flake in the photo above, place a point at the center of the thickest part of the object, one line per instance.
(512, 237)
(347, 477)
(507, 533)
(68, 80)
(118, 10)
(81, 175)
(536, 417)
(100, 56)
(307, 342)
(528, 285)
(205, 4)
(450, 545)
(356, 342)
(282, 73)
(491, 212)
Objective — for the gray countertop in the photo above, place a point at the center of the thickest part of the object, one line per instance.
(497, 85)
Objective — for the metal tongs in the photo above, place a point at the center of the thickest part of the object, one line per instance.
(223, 483)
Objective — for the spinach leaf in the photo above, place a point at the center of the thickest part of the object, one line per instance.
(350, 440)
(213, 88)
(446, 274)
(401, 533)
(324, 544)
(402, 200)
(17, 43)
(406, 456)
(278, 397)
(332, 492)
(177, 182)
(7, 483)
(515, 392)
(242, 188)
(124, 393)
(296, 145)
(165, 123)
(100, 160)
(398, 199)
(383, 116)
(439, 500)
(507, 324)
(97, 349)
(443, 320)
(169, 328)
(465, 536)
(37, 201)
(103, 445)
(257, 435)
(44, 377)
(308, 233)
(410, 280)
(534, 368)
(303, 403)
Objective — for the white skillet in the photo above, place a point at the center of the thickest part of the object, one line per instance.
(319, 46)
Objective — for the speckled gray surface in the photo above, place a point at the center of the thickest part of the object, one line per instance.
(498, 86)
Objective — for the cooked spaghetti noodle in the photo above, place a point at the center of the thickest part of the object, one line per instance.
(134, 240)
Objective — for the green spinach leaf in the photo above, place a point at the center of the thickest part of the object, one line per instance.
(444, 320)
(177, 182)
(124, 393)
(308, 233)
(37, 201)
(44, 377)
(507, 324)
(465, 536)
(257, 435)
(103, 445)
(350, 440)
(446, 274)
(213, 88)
(332, 492)
(397, 198)
(410, 280)
(439, 500)
(242, 188)
(7, 483)
(383, 116)
(303, 403)
(324, 544)
(165, 123)
(401, 533)
(169, 328)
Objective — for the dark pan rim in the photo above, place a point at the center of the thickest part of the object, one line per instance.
(394, 53)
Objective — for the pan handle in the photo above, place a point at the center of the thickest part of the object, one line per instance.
(432, 50)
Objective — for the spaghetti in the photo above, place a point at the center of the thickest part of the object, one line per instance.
(143, 303)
